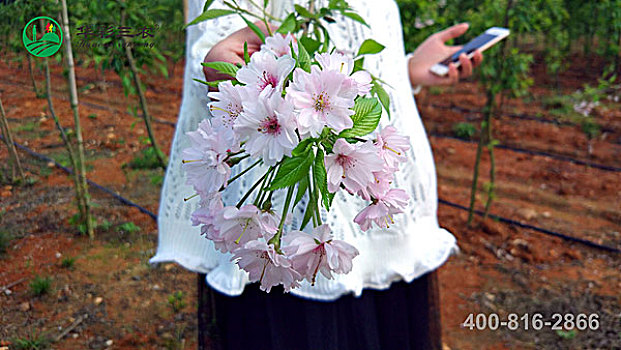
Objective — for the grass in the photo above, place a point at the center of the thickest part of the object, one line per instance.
(27, 127)
(32, 342)
(464, 131)
(5, 242)
(68, 262)
(176, 302)
(40, 285)
(146, 159)
(128, 227)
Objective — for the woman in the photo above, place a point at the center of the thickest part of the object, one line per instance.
(378, 305)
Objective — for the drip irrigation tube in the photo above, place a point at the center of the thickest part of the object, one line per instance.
(441, 201)
(537, 153)
(91, 183)
(535, 228)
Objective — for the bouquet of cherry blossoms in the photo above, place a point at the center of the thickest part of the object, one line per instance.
(307, 115)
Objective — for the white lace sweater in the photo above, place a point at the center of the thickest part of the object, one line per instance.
(413, 246)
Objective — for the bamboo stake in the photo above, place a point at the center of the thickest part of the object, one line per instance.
(76, 117)
(8, 139)
(143, 101)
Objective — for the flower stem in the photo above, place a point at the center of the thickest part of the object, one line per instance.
(243, 172)
(256, 184)
(276, 239)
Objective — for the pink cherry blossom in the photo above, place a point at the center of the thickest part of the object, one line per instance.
(206, 214)
(268, 127)
(279, 44)
(205, 162)
(264, 71)
(379, 186)
(382, 210)
(392, 147)
(266, 266)
(311, 253)
(228, 104)
(345, 64)
(323, 98)
(352, 165)
(233, 227)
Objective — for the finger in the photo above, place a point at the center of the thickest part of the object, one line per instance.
(466, 66)
(453, 32)
(477, 58)
(453, 74)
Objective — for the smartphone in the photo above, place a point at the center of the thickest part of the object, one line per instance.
(481, 43)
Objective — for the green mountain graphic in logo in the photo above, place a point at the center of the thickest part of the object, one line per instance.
(42, 36)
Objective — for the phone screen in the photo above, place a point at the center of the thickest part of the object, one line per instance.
(469, 47)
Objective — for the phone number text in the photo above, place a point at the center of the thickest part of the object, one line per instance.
(534, 321)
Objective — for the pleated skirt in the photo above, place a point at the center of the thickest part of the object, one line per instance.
(405, 316)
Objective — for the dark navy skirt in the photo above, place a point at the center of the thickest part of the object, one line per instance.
(405, 316)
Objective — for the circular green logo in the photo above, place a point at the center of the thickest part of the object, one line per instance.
(42, 36)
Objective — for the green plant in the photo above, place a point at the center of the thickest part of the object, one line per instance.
(128, 227)
(146, 159)
(105, 225)
(156, 179)
(464, 131)
(68, 262)
(176, 302)
(5, 242)
(92, 116)
(32, 342)
(566, 334)
(40, 285)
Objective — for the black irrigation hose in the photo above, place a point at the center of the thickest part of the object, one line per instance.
(535, 228)
(91, 183)
(478, 212)
(537, 153)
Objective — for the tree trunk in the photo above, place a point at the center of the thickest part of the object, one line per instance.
(32, 79)
(76, 117)
(70, 151)
(143, 101)
(16, 165)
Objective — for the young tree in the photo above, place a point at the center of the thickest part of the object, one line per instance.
(73, 91)
(15, 164)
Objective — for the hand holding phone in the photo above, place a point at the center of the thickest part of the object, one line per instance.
(481, 43)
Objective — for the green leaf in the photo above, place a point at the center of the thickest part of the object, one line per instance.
(304, 12)
(292, 170)
(310, 209)
(304, 60)
(358, 64)
(310, 45)
(370, 47)
(222, 67)
(302, 186)
(303, 147)
(382, 95)
(356, 17)
(207, 4)
(288, 25)
(366, 118)
(255, 29)
(246, 54)
(210, 14)
(209, 83)
(321, 179)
